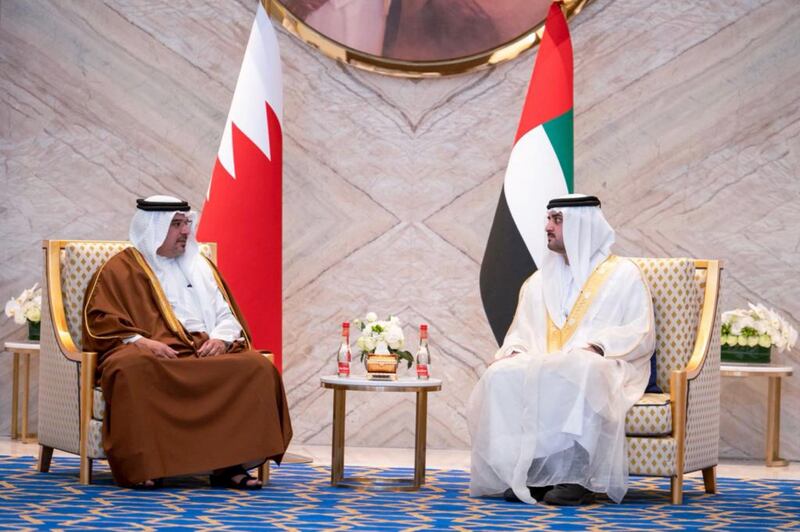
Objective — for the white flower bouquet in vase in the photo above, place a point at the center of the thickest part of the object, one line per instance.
(381, 345)
(748, 335)
(27, 307)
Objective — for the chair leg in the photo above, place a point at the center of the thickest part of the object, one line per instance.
(263, 473)
(86, 470)
(676, 489)
(710, 479)
(45, 455)
(88, 369)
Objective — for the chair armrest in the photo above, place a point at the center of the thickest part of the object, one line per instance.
(55, 301)
(708, 315)
(695, 389)
(269, 354)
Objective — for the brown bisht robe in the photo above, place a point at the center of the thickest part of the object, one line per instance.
(168, 417)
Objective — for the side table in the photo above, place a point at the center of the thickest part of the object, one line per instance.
(774, 374)
(24, 350)
(340, 386)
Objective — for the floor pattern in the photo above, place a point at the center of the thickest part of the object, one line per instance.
(299, 497)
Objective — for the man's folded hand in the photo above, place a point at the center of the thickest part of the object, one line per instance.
(159, 349)
(211, 347)
(596, 348)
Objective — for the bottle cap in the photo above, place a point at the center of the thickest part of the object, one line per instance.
(423, 327)
(345, 324)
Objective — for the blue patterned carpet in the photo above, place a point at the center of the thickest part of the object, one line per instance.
(299, 497)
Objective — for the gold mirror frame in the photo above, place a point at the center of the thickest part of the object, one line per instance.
(412, 69)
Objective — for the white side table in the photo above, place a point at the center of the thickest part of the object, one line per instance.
(774, 374)
(340, 386)
(24, 350)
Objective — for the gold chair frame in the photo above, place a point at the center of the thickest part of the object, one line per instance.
(680, 380)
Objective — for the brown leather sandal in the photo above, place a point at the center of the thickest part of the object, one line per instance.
(225, 479)
(156, 483)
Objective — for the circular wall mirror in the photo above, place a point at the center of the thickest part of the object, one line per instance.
(417, 38)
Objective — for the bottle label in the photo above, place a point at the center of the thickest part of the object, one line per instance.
(422, 371)
(344, 369)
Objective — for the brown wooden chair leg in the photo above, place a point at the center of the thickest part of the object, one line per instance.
(86, 470)
(45, 455)
(710, 479)
(88, 367)
(678, 393)
(676, 489)
(263, 473)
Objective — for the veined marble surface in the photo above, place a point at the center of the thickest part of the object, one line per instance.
(687, 120)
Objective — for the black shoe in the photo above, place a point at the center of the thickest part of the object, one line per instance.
(537, 492)
(569, 495)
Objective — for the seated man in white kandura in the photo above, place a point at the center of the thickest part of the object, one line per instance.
(547, 418)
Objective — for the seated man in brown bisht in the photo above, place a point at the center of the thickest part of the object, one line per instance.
(185, 391)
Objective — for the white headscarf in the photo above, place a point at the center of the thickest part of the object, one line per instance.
(148, 231)
(587, 239)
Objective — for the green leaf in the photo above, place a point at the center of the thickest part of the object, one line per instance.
(405, 355)
(749, 331)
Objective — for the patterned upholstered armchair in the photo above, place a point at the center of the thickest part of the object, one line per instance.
(677, 432)
(71, 407)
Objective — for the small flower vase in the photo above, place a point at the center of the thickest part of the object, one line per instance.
(746, 354)
(382, 365)
(34, 328)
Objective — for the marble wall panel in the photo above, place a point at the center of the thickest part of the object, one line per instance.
(687, 119)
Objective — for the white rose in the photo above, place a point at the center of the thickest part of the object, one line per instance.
(16, 311)
(394, 337)
(24, 296)
(371, 317)
(369, 343)
(12, 307)
(34, 314)
(791, 337)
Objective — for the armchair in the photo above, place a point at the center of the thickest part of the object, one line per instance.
(677, 432)
(71, 405)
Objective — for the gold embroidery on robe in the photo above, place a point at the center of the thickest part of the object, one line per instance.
(556, 338)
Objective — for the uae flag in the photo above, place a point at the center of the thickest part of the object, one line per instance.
(539, 169)
(242, 212)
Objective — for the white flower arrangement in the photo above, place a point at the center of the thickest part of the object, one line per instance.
(375, 332)
(26, 307)
(757, 326)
